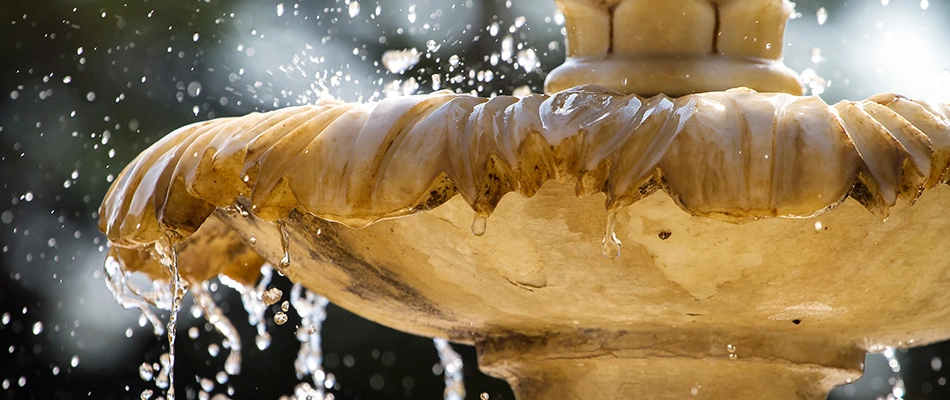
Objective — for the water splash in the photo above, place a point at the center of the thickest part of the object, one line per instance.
(221, 323)
(311, 308)
(611, 244)
(452, 370)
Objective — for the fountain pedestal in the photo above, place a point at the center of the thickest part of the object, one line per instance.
(673, 364)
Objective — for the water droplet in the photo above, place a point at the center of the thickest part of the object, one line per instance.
(262, 341)
(252, 240)
(194, 89)
(221, 377)
(206, 384)
(272, 296)
(280, 9)
(479, 225)
(37, 328)
(146, 394)
(611, 245)
(146, 372)
(280, 318)
(214, 349)
(91, 96)
(285, 306)
(74, 361)
(285, 245)
(354, 8)
(822, 16)
(731, 348)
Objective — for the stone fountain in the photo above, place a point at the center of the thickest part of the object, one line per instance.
(769, 240)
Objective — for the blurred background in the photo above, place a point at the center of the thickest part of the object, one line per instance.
(85, 85)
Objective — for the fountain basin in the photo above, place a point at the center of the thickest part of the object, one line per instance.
(711, 300)
(710, 292)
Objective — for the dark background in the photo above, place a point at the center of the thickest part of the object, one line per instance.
(85, 85)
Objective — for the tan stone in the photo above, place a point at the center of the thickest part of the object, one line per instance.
(711, 289)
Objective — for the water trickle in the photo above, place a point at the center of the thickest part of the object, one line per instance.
(311, 308)
(221, 323)
(479, 224)
(285, 245)
(178, 293)
(898, 390)
(452, 370)
(253, 299)
(611, 244)
(127, 295)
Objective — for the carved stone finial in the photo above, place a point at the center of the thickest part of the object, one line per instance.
(675, 47)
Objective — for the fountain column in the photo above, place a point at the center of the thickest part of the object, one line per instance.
(675, 47)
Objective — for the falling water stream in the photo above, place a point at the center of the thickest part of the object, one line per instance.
(310, 307)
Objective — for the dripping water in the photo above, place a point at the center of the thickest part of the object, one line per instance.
(178, 293)
(897, 388)
(285, 245)
(221, 323)
(252, 297)
(451, 370)
(311, 308)
(611, 244)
